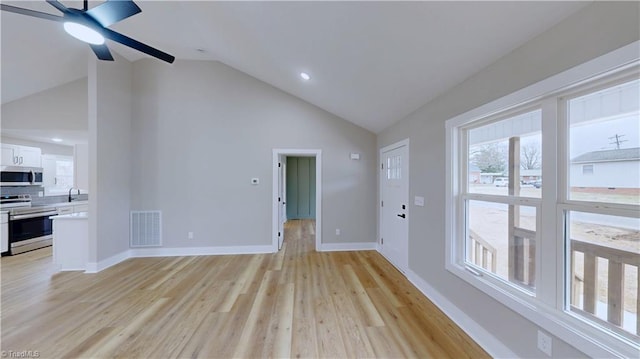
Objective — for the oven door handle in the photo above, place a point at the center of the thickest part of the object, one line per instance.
(32, 215)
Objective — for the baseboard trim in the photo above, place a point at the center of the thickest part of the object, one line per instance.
(485, 339)
(199, 251)
(95, 267)
(341, 247)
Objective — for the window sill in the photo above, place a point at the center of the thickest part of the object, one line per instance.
(588, 339)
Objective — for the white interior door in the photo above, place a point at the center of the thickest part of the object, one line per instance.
(394, 210)
(282, 210)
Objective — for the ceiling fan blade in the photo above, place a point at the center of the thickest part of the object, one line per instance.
(112, 11)
(127, 41)
(58, 5)
(102, 52)
(21, 11)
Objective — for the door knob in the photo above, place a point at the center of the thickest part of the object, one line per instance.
(402, 215)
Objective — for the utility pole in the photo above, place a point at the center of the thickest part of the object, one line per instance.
(617, 140)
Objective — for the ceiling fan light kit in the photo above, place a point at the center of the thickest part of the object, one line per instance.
(90, 25)
(83, 33)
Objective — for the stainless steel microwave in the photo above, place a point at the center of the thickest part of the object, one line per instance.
(20, 176)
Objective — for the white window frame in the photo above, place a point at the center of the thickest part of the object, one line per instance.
(465, 196)
(547, 308)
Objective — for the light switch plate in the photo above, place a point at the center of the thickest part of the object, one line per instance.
(418, 201)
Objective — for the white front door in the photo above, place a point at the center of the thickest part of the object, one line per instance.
(394, 206)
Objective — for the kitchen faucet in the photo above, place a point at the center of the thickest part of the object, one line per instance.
(71, 189)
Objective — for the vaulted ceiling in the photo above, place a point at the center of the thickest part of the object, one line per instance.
(371, 63)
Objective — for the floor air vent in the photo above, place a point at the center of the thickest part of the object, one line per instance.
(146, 229)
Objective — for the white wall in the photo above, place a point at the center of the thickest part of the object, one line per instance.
(619, 174)
(57, 112)
(202, 130)
(60, 108)
(109, 157)
(597, 29)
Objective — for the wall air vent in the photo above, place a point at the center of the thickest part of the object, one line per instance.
(146, 229)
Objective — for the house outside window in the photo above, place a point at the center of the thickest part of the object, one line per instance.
(569, 248)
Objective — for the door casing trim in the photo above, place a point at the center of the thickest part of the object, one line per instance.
(277, 152)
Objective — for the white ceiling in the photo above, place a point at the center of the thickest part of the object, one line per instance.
(371, 63)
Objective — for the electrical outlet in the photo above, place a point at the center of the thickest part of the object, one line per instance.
(544, 343)
(190, 235)
(337, 231)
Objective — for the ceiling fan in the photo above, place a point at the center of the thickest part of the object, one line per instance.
(90, 25)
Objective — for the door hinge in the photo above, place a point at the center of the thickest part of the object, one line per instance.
(279, 199)
(381, 240)
(382, 166)
(278, 234)
(381, 203)
(279, 164)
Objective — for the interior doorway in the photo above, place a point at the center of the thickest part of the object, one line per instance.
(300, 187)
(307, 166)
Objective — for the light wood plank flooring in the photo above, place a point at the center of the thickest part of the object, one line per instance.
(296, 303)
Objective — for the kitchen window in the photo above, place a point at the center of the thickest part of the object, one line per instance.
(563, 249)
(58, 174)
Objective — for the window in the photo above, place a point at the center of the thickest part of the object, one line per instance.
(58, 174)
(502, 216)
(601, 209)
(394, 167)
(568, 250)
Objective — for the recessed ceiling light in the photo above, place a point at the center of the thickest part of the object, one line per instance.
(305, 76)
(83, 33)
(56, 139)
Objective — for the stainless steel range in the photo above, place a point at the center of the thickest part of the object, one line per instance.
(29, 226)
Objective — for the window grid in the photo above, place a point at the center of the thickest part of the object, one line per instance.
(467, 255)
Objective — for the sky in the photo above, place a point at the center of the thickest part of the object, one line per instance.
(595, 136)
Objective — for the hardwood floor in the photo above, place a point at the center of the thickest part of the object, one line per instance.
(295, 303)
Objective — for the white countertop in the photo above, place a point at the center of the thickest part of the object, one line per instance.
(67, 204)
(79, 215)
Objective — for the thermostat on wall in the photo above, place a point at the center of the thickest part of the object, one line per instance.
(355, 156)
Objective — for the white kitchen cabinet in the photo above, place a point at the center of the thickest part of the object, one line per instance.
(4, 229)
(16, 155)
(57, 176)
(8, 155)
(49, 165)
(30, 156)
(70, 242)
